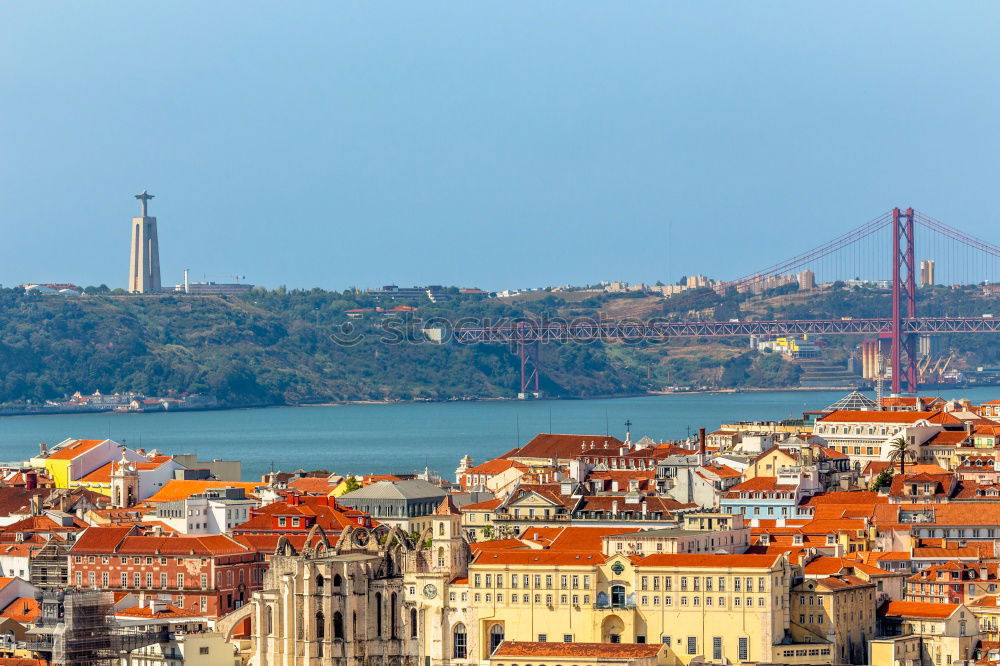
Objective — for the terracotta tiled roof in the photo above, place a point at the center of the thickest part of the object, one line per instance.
(497, 466)
(578, 650)
(706, 561)
(76, 448)
(447, 507)
(177, 489)
(488, 505)
(313, 485)
(847, 416)
(920, 609)
(22, 609)
(568, 446)
(169, 611)
(117, 540)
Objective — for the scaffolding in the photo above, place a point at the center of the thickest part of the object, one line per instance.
(78, 628)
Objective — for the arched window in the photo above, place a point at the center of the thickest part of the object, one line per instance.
(319, 583)
(268, 621)
(441, 528)
(320, 632)
(617, 596)
(496, 637)
(392, 616)
(337, 580)
(459, 642)
(413, 623)
(378, 614)
(440, 557)
(338, 626)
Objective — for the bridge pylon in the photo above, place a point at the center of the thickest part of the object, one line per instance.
(904, 302)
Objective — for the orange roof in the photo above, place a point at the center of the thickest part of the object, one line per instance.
(313, 485)
(103, 473)
(22, 609)
(488, 505)
(920, 609)
(122, 540)
(169, 611)
(578, 650)
(850, 416)
(567, 446)
(177, 489)
(705, 560)
(76, 448)
(723, 471)
(494, 467)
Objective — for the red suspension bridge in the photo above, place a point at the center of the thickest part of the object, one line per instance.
(900, 328)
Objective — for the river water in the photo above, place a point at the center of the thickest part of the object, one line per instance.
(363, 439)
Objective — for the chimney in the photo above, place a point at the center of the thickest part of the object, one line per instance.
(701, 441)
(968, 427)
(30, 480)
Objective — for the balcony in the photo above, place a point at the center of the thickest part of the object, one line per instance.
(628, 605)
(506, 517)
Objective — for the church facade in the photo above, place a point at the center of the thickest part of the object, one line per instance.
(375, 597)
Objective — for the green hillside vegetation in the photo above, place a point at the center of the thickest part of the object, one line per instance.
(278, 346)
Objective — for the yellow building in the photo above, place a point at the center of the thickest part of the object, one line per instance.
(699, 607)
(838, 611)
(925, 633)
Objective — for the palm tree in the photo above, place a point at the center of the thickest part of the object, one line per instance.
(899, 452)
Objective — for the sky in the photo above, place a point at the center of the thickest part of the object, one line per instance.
(498, 145)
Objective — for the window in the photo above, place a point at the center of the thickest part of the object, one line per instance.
(496, 637)
(618, 596)
(744, 649)
(180, 580)
(203, 650)
(543, 638)
(717, 647)
(163, 580)
(567, 638)
(104, 579)
(665, 640)
(692, 645)
(124, 580)
(459, 642)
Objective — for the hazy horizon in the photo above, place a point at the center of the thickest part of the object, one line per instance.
(498, 146)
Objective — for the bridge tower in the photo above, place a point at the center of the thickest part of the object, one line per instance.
(527, 352)
(904, 302)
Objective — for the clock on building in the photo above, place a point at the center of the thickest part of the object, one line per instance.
(430, 591)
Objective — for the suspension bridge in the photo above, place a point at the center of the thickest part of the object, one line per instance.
(886, 244)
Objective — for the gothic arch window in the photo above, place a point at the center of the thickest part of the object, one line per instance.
(460, 643)
(337, 580)
(354, 624)
(413, 623)
(338, 626)
(496, 637)
(392, 616)
(378, 614)
(320, 632)
(319, 583)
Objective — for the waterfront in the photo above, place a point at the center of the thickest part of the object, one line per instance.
(377, 438)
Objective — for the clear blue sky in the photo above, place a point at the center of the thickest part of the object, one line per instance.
(492, 144)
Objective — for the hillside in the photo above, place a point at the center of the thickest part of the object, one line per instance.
(278, 347)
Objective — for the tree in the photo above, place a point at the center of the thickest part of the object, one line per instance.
(898, 451)
(352, 484)
(883, 480)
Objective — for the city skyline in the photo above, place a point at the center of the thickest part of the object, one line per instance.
(612, 155)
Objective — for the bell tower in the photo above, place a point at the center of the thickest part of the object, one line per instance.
(144, 261)
(450, 551)
(124, 484)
